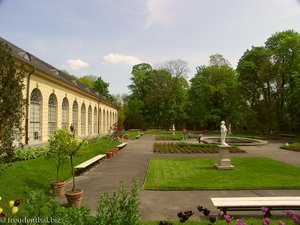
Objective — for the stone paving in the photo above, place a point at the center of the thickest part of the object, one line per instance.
(132, 161)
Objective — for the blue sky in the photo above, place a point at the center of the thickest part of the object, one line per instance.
(107, 37)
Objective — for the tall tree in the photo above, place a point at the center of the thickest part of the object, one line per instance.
(88, 80)
(257, 80)
(213, 95)
(101, 86)
(285, 47)
(11, 100)
(218, 60)
(269, 75)
(157, 95)
(177, 68)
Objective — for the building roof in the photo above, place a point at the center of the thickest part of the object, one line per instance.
(52, 71)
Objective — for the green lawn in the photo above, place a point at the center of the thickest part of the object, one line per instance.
(133, 133)
(199, 173)
(23, 176)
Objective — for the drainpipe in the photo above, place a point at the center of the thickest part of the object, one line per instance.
(27, 106)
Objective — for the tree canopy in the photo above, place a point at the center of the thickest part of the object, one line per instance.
(262, 93)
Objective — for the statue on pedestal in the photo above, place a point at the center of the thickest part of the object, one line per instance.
(223, 133)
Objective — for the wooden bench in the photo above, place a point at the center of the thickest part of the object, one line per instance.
(89, 162)
(121, 145)
(256, 203)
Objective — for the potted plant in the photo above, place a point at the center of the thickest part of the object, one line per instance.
(109, 154)
(71, 146)
(56, 152)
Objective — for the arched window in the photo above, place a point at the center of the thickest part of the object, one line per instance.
(65, 113)
(100, 121)
(35, 115)
(104, 122)
(107, 121)
(110, 120)
(95, 121)
(52, 106)
(83, 119)
(90, 120)
(75, 116)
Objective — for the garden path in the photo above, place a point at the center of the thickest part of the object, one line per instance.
(133, 160)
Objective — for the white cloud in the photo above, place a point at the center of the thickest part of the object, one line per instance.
(76, 64)
(126, 59)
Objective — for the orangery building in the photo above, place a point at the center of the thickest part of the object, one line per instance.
(56, 100)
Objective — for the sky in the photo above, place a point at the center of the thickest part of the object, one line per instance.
(107, 37)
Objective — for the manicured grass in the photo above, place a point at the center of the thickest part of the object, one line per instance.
(199, 173)
(161, 135)
(133, 134)
(23, 176)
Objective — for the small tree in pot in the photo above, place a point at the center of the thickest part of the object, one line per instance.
(57, 152)
(71, 148)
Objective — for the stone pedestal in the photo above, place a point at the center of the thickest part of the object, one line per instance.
(224, 163)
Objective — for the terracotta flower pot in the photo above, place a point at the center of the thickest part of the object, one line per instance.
(58, 188)
(109, 155)
(74, 197)
(116, 150)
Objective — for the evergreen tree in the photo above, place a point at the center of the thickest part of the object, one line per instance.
(11, 100)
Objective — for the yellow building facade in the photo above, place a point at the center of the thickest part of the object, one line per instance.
(55, 100)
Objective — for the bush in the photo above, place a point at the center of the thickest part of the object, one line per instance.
(121, 208)
(293, 146)
(31, 153)
(48, 211)
(28, 153)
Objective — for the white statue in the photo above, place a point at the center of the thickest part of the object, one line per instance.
(173, 129)
(223, 133)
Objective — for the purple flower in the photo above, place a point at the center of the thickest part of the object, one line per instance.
(266, 221)
(240, 222)
(221, 213)
(295, 219)
(264, 209)
(227, 218)
(281, 222)
(290, 213)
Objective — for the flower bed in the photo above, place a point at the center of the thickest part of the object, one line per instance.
(167, 138)
(166, 148)
(292, 146)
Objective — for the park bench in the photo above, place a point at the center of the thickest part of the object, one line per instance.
(89, 162)
(121, 145)
(256, 203)
(139, 135)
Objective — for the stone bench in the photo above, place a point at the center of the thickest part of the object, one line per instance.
(121, 145)
(89, 162)
(256, 203)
